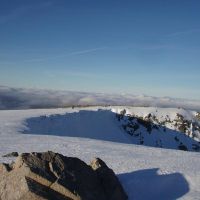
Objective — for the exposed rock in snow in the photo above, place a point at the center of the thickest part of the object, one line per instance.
(12, 154)
(49, 175)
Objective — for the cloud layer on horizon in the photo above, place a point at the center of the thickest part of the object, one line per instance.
(20, 98)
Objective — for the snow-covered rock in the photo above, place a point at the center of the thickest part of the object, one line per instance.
(162, 127)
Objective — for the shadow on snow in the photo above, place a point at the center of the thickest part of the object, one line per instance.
(99, 125)
(148, 184)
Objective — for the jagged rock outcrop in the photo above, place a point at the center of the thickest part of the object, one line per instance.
(176, 132)
(49, 175)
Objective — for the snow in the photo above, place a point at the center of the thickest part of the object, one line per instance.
(145, 172)
(100, 124)
(160, 113)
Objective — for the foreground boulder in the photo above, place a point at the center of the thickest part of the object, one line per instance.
(110, 183)
(49, 175)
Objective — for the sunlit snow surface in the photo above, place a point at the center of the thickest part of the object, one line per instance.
(146, 173)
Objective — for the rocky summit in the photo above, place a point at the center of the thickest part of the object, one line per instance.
(50, 175)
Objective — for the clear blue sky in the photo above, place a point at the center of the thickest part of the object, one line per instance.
(139, 46)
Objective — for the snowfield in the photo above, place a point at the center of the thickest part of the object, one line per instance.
(145, 172)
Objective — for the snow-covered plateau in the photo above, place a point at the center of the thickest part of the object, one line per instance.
(141, 144)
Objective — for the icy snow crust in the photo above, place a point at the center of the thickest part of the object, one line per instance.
(145, 172)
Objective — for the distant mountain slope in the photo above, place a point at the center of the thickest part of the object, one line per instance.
(21, 98)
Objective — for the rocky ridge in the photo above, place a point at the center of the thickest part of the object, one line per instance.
(185, 133)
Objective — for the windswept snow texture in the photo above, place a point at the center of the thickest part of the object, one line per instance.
(145, 172)
(19, 98)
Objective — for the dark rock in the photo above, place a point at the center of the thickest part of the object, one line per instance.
(146, 124)
(182, 147)
(196, 147)
(176, 139)
(13, 154)
(110, 183)
(53, 176)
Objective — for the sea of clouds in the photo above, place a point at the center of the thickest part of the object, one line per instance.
(21, 98)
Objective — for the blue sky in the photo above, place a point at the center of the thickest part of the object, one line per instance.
(137, 46)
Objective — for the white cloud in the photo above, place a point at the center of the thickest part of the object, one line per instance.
(18, 98)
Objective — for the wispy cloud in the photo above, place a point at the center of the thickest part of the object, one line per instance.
(63, 55)
(80, 74)
(53, 57)
(184, 32)
(54, 74)
(86, 51)
(157, 47)
(21, 11)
